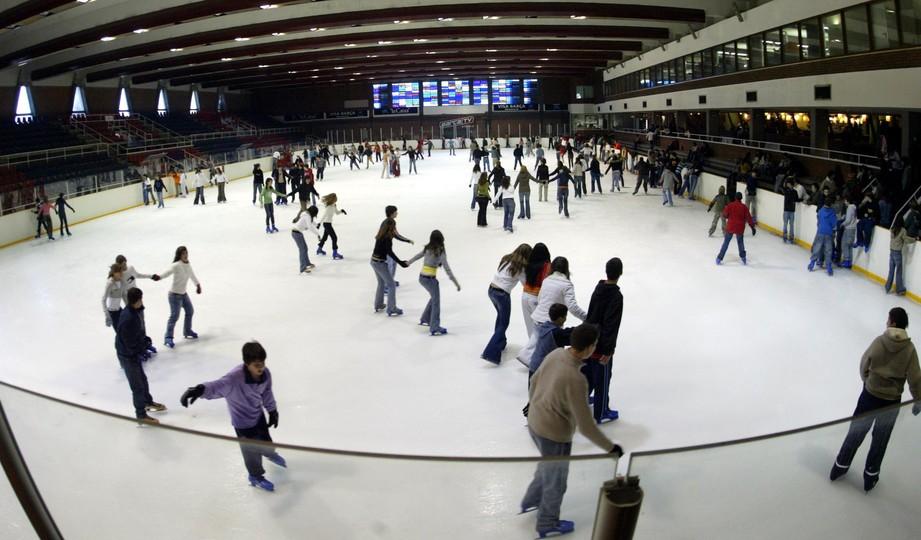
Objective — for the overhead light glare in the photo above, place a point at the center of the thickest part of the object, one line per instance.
(349, 44)
(492, 50)
(241, 39)
(445, 19)
(107, 38)
(276, 34)
(175, 49)
(263, 65)
(268, 6)
(419, 40)
(400, 22)
(338, 67)
(552, 50)
(226, 59)
(578, 17)
(140, 30)
(292, 72)
(384, 42)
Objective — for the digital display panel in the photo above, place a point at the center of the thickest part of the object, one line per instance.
(455, 92)
(506, 92)
(529, 91)
(381, 95)
(481, 92)
(405, 94)
(430, 93)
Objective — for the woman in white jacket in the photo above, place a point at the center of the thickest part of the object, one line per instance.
(114, 295)
(555, 289)
(182, 272)
(329, 211)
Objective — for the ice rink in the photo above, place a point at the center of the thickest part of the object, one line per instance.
(705, 353)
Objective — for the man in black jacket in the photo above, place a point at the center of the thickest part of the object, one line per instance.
(604, 311)
(642, 175)
(518, 153)
(790, 198)
(497, 175)
(133, 348)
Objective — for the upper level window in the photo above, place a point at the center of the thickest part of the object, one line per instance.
(124, 108)
(833, 35)
(911, 21)
(885, 25)
(79, 105)
(193, 103)
(857, 27)
(162, 103)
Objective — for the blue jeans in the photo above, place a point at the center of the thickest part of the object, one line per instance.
(596, 180)
(301, 249)
(549, 485)
(473, 200)
(667, 197)
(692, 185)
(895, 270)
(160, 199)
(432, 312)
(865, 231)
(384, 279)
(137, 381)
(617, 180)
(175, 302)
(580, 181)
(881, 423)
(562, 198)
(726, 238)
(509, 205)
(524, 198)
(788, 225)
(501, 300)
(847, 240)
(485, 166)
(822, 249)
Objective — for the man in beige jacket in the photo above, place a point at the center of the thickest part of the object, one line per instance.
(559, 406)
(884, 368)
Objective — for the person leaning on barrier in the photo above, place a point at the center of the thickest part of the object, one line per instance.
(559, 406)
(886, 365)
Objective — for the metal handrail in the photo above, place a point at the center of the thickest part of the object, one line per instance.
(53, 153)
(839, 156)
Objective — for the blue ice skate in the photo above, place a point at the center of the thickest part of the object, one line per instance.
(563, 527)
(277, 459)
(261, 483)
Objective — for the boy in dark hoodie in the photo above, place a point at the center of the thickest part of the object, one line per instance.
(888, 363)
(550, 336)
(823, 244)
(247, 389)
(605, 311)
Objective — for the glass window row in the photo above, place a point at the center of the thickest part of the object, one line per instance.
(877, 25)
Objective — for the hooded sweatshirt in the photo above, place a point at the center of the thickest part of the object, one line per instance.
(246, 397)
(889, 361)
(605, 311)
(828, 221)
(549, 337)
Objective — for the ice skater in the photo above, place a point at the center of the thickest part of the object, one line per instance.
(434, 256)
(554, 289)
(267, 205)
(61, 206)
(221, 182)
(383, 250)
(605, 311)
(898, 239)
(506, 198)
(257, 182)
(543, 180)
(523, 185)
(550, 336)
(113, 296)
(558, 407)
(563, 177)
(159, 188)
(616, 166)
(43, 216)
(248, 391)
(182, 272)
(481, 196)
(391, 212)
(737, 215)
(536, 271)
(509, 273)
(302, 223)
(718, 203)
(306, 191)
(823, 245)
(330, 209)
(280, 190)
(199, 179)
(474, 180)
(133, 348)
(887, 364)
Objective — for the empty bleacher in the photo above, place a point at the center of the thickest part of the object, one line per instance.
(38, 135)
(183, 124)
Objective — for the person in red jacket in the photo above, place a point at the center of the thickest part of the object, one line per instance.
(737, 215)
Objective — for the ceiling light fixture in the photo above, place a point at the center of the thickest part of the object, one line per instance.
(445, 19)
(263, 65)
(491, 17)
(445, 69)
(338, 67)
(276, 34)
(140, 30)
(384, 42)
(176, 49)
(107, 38)
(419, 40)
(268, 6)
(439, 61)
(578, 17)
(431, 52)
(291, 72)
(372, 56)
(356, 73)
(314, 76)
(552, 50)
(400, 22)
(349, 44)
(315, 69)
(226, 59)
(544, 59)
(241, 39)
(492, 50)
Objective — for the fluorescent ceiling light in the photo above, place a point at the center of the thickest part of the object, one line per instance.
(439, 61)
(263, 65)
(445, 19)
(544, 59)
(338, 67)
(276, 34)
(492, 50)
(226, 59)
(107, 38)
(349, 44)
(268, 6)
(140, 30)
(577, 17)
(175, 49)
(552, 50)
(420, 40)
(400, 22)
(384, 42)
(241, 39)
(291, 72)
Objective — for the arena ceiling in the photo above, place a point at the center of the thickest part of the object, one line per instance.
(253, 44)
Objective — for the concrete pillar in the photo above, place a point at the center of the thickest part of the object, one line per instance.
(818, 128)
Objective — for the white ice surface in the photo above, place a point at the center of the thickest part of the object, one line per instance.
(705, 353)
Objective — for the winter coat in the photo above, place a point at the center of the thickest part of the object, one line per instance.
(737, 216)
(556, 289)
(886, 365)
(605, 311)
(828, 221)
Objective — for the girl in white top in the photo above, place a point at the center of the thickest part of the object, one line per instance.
(474, 180)
(386, 163)
(506, 196)
(114, 296)
(303, 223)
(510, 273)
(182, 272)
(183, 184)
(220, 180)
(129, 274)
(555, 289)
(329, 211)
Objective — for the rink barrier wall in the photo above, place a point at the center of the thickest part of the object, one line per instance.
(20, 226)
(873, 265)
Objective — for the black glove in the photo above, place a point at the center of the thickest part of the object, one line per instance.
(754, 231)
(403, 264)
(273, 418)
(344, 212)
(155, 277)
(198, 289)
(617, 450)
(191, 394)
(148, 341)
(916, 409)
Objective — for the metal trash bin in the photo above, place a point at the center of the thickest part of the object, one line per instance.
(618, 509)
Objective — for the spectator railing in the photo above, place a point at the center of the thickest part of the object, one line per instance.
(36, 156)
(862, 160)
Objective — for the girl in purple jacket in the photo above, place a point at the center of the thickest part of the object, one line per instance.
(248, 390)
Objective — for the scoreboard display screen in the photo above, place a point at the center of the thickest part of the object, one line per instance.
(481, 92)
(430, 93)
(529, 88)
(404, 94)
(455, 92)
(507, 92)
(381, 95)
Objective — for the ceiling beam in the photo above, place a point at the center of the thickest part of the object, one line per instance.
(197, 10)
(550, 33)
(27, 10)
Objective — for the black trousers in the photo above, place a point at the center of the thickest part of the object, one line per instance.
(329, 232)
(252, 453)
(599, 382)
(269, 215)
(882, 424)
(199, 195)
(641, 181)
(137, 381)
(481, 213)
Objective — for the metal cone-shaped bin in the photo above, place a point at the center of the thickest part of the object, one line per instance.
(618, 509)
